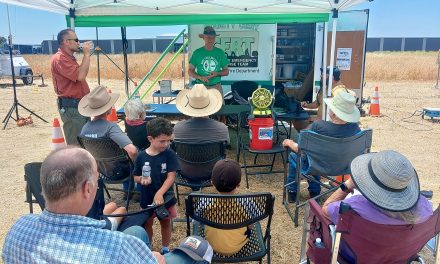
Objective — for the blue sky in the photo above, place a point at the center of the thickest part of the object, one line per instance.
(388, 18)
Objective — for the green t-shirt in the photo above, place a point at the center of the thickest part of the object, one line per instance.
(207, 61)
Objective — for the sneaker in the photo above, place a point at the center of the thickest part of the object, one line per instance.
(291, 197)
(164, 250)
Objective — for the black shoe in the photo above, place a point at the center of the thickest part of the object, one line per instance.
(291, 197)
(136, 197)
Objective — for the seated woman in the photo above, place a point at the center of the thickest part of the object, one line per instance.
(135, 124)
(389, 193)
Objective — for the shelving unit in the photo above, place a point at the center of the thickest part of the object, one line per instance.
(294, 52)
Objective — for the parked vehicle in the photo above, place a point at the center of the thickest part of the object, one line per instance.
(22, 69)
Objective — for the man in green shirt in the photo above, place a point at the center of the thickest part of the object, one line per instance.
(209, 63)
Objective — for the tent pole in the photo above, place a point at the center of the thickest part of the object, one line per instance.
(332, 52)
(97, 57)
(332, 57)
(324, 71)
(72, 15)
(124, 52)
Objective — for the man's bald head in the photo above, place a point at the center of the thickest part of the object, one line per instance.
(64, 171)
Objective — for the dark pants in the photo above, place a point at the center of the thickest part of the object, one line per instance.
(314, 187)
(73, 122)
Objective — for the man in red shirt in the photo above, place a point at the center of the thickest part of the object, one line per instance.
(69, 81)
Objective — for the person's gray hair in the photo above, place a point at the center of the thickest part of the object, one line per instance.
(64, 171)
(63, 33)
(134, 109)
(409, 217)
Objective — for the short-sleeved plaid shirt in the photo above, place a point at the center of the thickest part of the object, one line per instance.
(62, 238)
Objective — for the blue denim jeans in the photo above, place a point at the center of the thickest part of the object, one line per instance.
(314, 187)
(139, 232)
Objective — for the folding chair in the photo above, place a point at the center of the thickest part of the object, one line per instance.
(327, 157)
(370, 242)
(33, 185)
(114, 164)
(197, 155)
(253, 207)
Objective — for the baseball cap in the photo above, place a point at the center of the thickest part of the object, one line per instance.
(197, 248)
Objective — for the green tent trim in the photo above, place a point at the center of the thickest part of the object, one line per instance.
(165, 20)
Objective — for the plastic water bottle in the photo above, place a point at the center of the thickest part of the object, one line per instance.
(318, 243)
(92, 47)
(146, 174)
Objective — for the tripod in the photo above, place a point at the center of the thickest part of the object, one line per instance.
(15, 104)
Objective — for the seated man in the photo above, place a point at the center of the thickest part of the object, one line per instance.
(389, 192)
(98, 104)
(344, 116)
(337, 86)
(199, 103)
(62, 233)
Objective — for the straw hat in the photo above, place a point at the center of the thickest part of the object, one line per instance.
(199, 101)
(387, 179)
(343, 105)
(208, 31)
(97, 102)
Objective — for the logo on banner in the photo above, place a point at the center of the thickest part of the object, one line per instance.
(241, 46)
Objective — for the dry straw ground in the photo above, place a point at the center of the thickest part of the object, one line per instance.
(402, 93)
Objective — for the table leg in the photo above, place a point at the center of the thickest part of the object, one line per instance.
(237, 151)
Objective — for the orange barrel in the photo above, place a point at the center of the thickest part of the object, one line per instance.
(261, 133)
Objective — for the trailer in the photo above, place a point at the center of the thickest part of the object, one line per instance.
(21, 68)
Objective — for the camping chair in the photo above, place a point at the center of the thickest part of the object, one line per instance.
(33, 185)
(370, 242)
(327, 157)
(114, 164)
(255, 207)
(197, 155)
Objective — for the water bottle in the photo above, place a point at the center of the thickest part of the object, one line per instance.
(146, 174)
(318, 243)
(81, 45)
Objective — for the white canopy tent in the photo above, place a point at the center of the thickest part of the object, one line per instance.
(124, 13)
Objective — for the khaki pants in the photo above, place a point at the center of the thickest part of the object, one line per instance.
(73, 122)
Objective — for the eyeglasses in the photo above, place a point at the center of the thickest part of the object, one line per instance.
(76, 40)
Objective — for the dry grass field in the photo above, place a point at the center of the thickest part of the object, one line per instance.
(405, 66)
(400, 97)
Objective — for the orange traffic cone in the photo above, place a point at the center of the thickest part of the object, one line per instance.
(374, 106)
(57, 135)
(113, 117)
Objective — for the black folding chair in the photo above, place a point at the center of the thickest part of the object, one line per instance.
(114, 164)
(33, 186)
(327, 157)
(220, 211)
(197, 155)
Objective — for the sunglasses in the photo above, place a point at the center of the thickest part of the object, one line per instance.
(76, 40)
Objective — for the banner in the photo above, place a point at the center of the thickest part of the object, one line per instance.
(249, 48)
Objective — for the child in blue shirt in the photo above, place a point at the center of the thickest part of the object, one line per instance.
(163, 163)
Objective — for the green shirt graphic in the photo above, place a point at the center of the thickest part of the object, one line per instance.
(205, 62)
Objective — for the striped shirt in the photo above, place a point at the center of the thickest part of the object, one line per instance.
(63, 238)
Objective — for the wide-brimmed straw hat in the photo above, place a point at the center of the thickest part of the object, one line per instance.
(343, 105)
(386, 179)
(199, 101)
(97, 102)
(208, 31)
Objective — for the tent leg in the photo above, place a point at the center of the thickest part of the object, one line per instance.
(124, 51)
